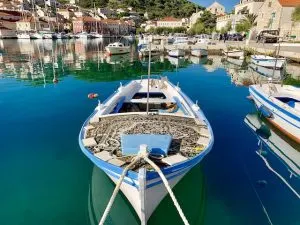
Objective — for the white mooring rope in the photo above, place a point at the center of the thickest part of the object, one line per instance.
(143, 155)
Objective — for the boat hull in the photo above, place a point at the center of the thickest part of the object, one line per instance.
(280, 116)
(234, 54)
(199, 52)
(177, 53)
(116, 51)
(268, 62)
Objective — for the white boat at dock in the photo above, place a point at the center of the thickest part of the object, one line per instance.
(202, 39)
(199, 52)
(177, 52)
(94, 35)
(35, 35)
(117, 48)
(23, 35)
(268, 61)
(234, 53)
(280, 104)
(181, 40)
(144, 51)
(47, 35)
(60, 35)
(83, 35)
(151, 137)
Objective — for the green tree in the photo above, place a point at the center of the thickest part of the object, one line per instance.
(296, 14)
(247, 23)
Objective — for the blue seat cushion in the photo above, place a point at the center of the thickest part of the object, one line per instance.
(157, 144)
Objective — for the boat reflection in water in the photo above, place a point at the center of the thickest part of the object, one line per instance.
(280, 155)
(193, 204)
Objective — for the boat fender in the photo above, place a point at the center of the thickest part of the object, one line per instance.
(55, 80)
(93, 95)
(265, 111)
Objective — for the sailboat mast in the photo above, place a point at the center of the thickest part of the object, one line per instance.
(149, 72)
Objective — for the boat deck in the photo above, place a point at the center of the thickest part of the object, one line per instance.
(103, 138)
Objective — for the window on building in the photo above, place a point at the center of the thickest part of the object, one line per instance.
(270, 4)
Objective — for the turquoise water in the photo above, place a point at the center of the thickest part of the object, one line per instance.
(47, 180)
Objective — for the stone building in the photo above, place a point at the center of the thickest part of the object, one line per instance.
(194, 17)
(170, 22)
(217, 9)
(248, 6)
(277, 14)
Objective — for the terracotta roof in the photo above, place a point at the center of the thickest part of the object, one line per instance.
(110, 21)
(289, 3)
(170, 19)
(87, 19)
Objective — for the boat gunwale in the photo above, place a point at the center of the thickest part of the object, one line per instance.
(166, 170)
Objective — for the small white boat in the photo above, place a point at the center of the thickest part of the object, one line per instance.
(174, 135)
(280, 104)
(181, 40)
(144, 51)
(177, 52)
(61, 35)
(94, 35)
(83, 35)
(199, 52)
(23, 35)
(47, 35)
(35, 35)
(75, 36)
(234, 53)
(117, 48)
(268, 61)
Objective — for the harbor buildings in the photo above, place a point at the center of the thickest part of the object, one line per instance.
(170, 22)
(216, 8)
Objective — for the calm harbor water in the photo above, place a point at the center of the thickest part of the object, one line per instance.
(45, 179)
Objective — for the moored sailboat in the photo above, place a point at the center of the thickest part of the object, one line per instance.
(268, 61)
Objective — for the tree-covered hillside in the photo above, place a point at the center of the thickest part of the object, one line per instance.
(155, 8)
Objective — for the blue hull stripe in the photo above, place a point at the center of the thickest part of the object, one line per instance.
(297, 118)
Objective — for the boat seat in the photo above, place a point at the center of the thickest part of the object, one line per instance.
(174, 159)
(203, 141)
(95, 119)
(200, 122)
(89, 142)
(104, 155)
(119, 104)
(205, 132)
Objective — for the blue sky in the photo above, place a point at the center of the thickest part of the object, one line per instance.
(227, 3)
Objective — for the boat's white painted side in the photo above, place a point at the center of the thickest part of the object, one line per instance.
(117, 50)
(267, 61)
(234, 54)
(35, 35)
(284, 117)
(47, 36)
(267, 72)
(146, 190)
(199, 52)
(23, 36)
(177, 53)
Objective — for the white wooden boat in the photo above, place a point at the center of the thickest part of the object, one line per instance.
(177, 52)
(199, 52)
(286, 151)
(47, 35)
(94, 35)
(83, 35)
(117, 48)
(234, 53)
(202, 39)
(175, 135)
(35, 35)
(144, 51)
(23, 35)
(61, 35)
(280, 104)
(268, 61)
(181, 40)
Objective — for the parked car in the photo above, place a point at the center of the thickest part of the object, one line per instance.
(268, 36)
(235, 37)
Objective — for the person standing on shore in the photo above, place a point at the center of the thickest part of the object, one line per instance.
(225, 37)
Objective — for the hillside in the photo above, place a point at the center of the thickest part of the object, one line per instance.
(155, 8)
